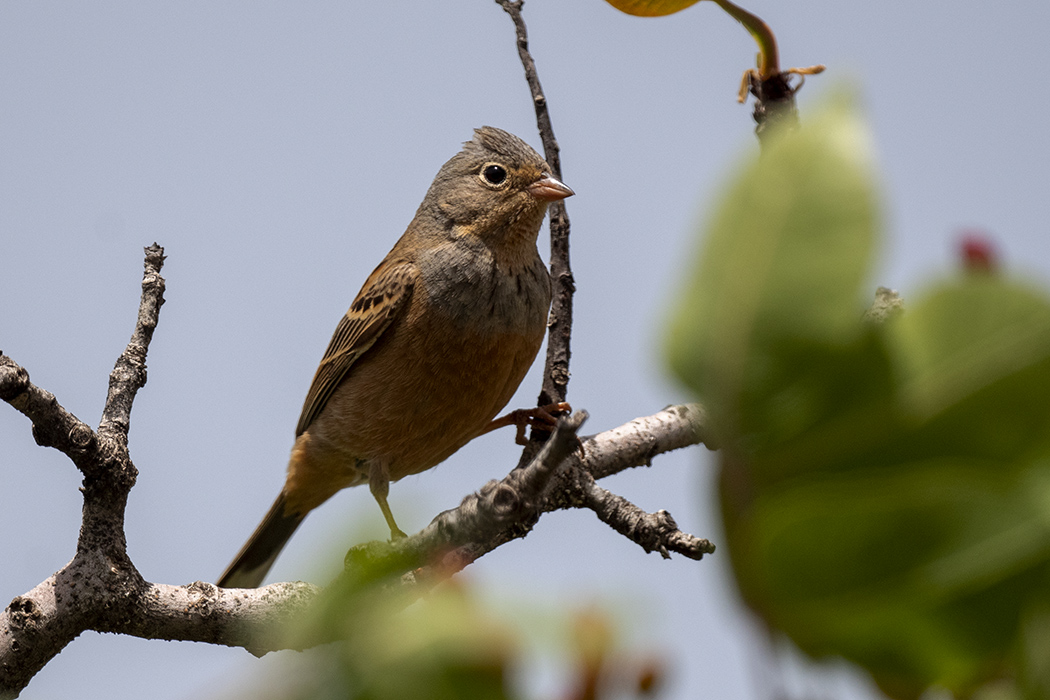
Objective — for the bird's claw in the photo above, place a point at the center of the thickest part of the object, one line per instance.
(542, 418)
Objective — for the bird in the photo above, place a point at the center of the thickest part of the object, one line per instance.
(432, 347)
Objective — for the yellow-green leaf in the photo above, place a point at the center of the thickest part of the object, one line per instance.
(651, 8)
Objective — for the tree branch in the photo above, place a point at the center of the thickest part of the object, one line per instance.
(558, 477)
(635, 443)
(100, 589)
(256, 619)
(559, 333)
(655, 532)
(499, 512)
(53, 425)
(129, 373)
(101, 576)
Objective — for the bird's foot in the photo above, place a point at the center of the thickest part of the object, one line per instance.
(541, 417)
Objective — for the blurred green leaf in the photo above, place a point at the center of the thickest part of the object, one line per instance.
(399, 643)
(919, 571)
(397, 639)
(885, 486)
(975, 348)
(781, 275)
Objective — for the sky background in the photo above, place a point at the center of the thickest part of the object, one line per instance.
(278, 149)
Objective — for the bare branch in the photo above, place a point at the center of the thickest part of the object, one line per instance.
(655, 532)
(256, 619)
(634, 444)
(129, 373)
(101, 590)
(559, 336)
(508, 509)
(53, 425)
(39, 624)
(501, 511)
(32, 632)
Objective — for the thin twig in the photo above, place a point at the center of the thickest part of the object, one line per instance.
(53, 425)
(655, 532)
(129, 373)
(774, 104)
(556, 370)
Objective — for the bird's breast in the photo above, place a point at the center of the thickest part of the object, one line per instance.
(477, 289)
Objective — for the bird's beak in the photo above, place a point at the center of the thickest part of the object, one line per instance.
(547, 189)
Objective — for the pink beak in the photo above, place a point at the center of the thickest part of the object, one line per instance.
(547, 189)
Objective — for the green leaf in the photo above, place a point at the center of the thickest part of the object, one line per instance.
(885, 486)
(783, 268)
(920, 571)
(976, 352)
(914, 543)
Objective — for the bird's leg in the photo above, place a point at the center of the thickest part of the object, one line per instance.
(541, 417)
(379, 485)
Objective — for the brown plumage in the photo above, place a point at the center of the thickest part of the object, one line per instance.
(433, 346)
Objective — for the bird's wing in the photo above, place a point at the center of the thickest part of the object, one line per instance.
(383, 297)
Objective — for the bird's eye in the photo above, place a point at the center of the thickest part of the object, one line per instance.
(494, 174)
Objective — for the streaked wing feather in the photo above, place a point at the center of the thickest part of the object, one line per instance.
(379, 302)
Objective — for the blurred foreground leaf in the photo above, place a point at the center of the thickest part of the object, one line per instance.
(398, 640)
(395, 645)
(885, 486)
(781, 277)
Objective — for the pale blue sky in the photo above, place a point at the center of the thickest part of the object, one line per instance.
(277, 151)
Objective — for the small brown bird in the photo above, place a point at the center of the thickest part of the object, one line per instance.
(433, 346)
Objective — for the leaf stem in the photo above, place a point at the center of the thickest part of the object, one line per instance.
(768, 56)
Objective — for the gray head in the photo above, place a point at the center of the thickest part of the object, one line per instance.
(495, 182)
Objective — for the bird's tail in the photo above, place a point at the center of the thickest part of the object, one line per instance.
(258, 554)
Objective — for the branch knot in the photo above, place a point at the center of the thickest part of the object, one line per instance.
(81, 437)
(14, 380)
(24, 613)
(505, 501)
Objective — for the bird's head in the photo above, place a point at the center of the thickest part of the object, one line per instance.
(497, 187)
